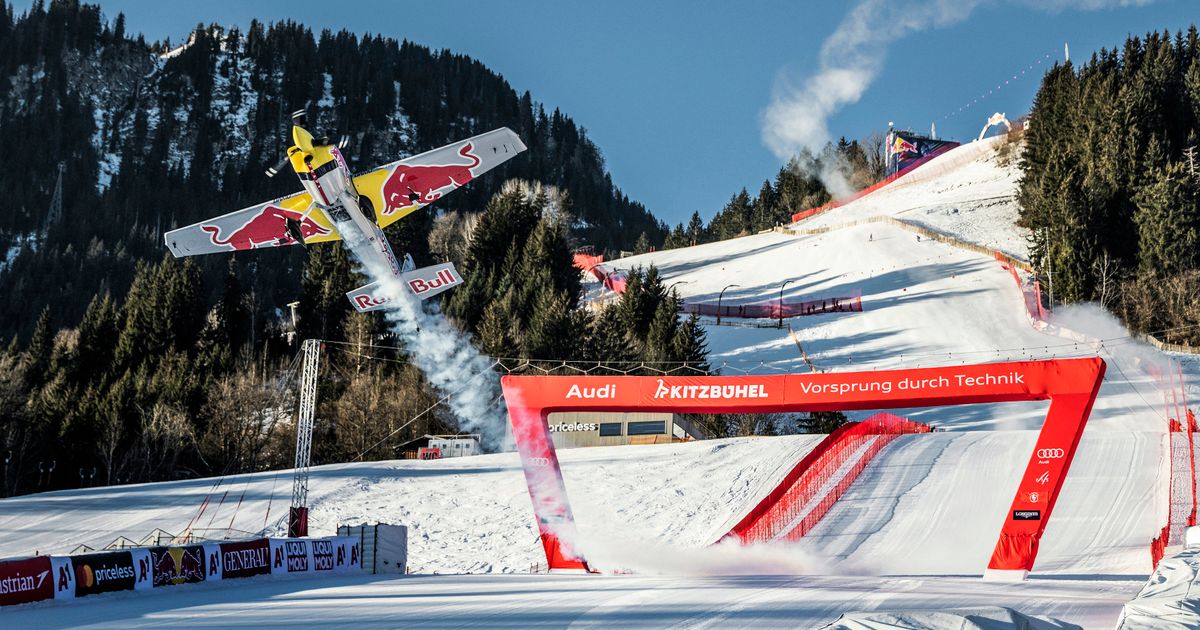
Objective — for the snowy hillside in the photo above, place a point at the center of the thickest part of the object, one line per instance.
(468, 515)
(968, 192)
(928, 505)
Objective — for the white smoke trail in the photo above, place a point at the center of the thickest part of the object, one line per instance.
(443, 354)
(852, 57)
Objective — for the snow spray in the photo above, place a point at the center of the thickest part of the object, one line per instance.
(728, 557)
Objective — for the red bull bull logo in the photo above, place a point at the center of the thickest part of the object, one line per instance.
(900, 145)
(268, 227)
(426, 183)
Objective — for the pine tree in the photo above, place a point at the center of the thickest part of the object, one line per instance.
(695, 230)
(664, 327)
(97, 339)
(642, 245)
(499, 332)
(691, 346)
(36, 361)
(606, 341)
(550, 335)
(233, 318)
(822, 422)
(1168, 222)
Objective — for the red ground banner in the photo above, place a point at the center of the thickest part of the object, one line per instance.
(245, 558)
(1070, 385)
(24, 581)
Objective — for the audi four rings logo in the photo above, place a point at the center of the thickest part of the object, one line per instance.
(1050, 453)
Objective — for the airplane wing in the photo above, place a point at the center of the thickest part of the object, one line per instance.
(395, 190)
(398, 189)
(261, 225)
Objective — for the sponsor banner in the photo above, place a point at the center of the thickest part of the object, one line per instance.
(24, 581)
(543, 478)
(103, 573)
(291, 556)
(724, 391)
(953, 385)
(324, 554)
(212, 562)
(143, 566)
(570, 427)
(347, 555)
(178, 565)
(64, 577)
(245, 558)
(967, 384)
(905, 149)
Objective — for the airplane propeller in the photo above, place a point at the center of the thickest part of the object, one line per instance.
(272, 171)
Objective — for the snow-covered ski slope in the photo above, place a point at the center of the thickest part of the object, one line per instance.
(968, 192)
(467, 515)
(928, 505)
(919, 506)
(522, 602)
(932, 504)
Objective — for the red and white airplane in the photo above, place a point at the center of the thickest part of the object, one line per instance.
(335, 203)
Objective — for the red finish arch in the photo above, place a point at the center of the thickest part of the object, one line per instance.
(1071, 386)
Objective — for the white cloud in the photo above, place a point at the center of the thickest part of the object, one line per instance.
(853, 56)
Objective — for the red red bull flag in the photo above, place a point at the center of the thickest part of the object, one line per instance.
(906, 150)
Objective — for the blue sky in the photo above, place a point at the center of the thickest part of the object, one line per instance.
(674, 91)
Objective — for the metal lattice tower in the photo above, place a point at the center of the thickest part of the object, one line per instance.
(304, 421)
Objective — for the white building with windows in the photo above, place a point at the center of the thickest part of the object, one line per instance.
(572, 429)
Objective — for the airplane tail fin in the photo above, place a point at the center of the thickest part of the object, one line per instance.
(365, 300)
(424, 283)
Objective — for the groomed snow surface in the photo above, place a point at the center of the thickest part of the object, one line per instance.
(915, 531)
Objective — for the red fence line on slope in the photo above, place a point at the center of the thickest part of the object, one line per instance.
(823, 476)
(804, 214)
(1181, 488)
(1033, 303)
(613, 280)
(775, 310)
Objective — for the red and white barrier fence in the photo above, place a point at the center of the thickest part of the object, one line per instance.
(776, 310)
(144, 568)
(1181, 428)
(812, 487)
(804, 214)
(613, 280)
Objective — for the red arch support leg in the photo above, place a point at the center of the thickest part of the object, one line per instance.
(543, 476)
(1043, 479)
